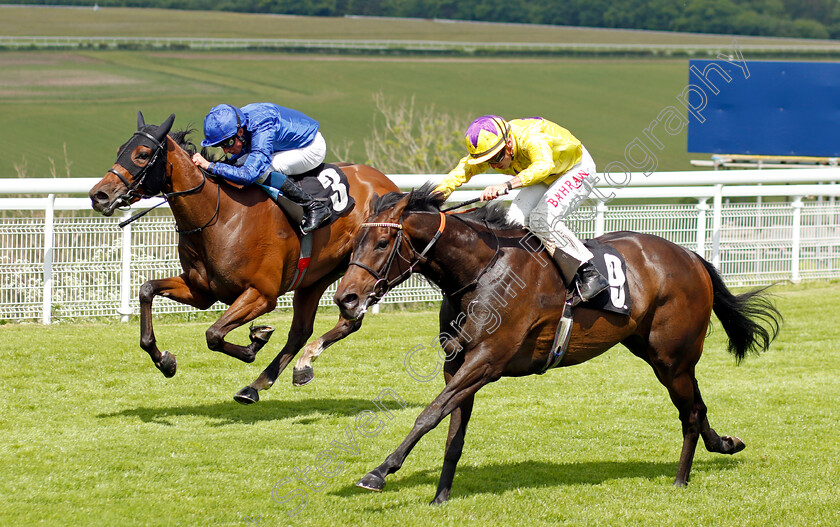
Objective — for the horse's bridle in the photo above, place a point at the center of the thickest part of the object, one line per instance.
(139, 178)
(382, 284)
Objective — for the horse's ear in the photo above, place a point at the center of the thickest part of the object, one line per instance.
(140, 121)
(400, 206)
(165, 127)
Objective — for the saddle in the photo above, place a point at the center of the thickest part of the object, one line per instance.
(610, 264)
(326, 182)
(616, 298)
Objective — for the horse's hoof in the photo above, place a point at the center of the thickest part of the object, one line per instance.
(440, 499)
(371, 482)
(167, 365)
(732, 445)
(261, 333)
(679, 483)
(247, 395)
(303, 376)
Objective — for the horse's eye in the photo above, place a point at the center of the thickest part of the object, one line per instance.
(143, 155)
(381, 244)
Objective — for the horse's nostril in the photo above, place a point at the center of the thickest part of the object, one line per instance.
(350, 300)
(100, 197)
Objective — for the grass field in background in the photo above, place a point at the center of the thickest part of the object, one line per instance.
(64, 108)
(121, 22)
(93, 434)
(85, 103)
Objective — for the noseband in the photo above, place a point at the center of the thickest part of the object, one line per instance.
(382, 284)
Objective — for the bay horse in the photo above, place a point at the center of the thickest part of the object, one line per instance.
(502, 303)
(236, 246)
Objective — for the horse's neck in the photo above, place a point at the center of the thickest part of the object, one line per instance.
(184, 174)
(191, 209)
(459, 256)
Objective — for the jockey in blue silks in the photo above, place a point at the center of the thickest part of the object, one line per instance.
(266, 143)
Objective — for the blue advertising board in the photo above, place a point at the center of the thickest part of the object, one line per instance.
(764, 108)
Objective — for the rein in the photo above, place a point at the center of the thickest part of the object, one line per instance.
(383, 285)
(474, 281)
(462, 204)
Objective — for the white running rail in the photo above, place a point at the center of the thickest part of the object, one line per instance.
(59, 260)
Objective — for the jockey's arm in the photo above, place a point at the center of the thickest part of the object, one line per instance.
(459, 175)
(257, 162)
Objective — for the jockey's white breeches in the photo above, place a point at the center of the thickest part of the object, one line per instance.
(300, 160)
(542, 208)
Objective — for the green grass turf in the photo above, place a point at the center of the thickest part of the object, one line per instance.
(93, 434)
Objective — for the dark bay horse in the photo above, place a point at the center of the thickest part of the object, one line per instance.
(502, 304)
(235, 246)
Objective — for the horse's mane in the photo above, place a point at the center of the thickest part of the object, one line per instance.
(182, 138)
(419, 200)
(425, 199)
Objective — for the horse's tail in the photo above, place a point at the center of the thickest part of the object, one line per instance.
(742, 316)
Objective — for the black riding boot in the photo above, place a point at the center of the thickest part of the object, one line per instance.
(590, 281)
(315, 212)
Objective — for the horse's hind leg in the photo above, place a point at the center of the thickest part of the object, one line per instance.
(303, 372)
(682, 386)
(674, 368)
(720, 444)
(304, 305)
(250, 305)
(176, 288)
(692, 415)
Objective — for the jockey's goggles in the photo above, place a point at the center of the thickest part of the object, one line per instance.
(498, 157)
(226, 143)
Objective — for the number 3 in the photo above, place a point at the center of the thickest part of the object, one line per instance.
(330, 178)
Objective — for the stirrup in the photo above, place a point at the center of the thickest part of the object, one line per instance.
(561, 334)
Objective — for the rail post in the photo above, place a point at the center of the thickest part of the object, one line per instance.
(702, 207)
(49, 244)
(717, 221)
(125, 271)
(600, 210)
(796, 204)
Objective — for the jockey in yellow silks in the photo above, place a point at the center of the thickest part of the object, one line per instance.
(557, 174)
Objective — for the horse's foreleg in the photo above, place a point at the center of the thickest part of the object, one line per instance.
(304, 305)
(176, 288)
(250, 305)
(303, 371)
(458, 420)
(474, 374)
